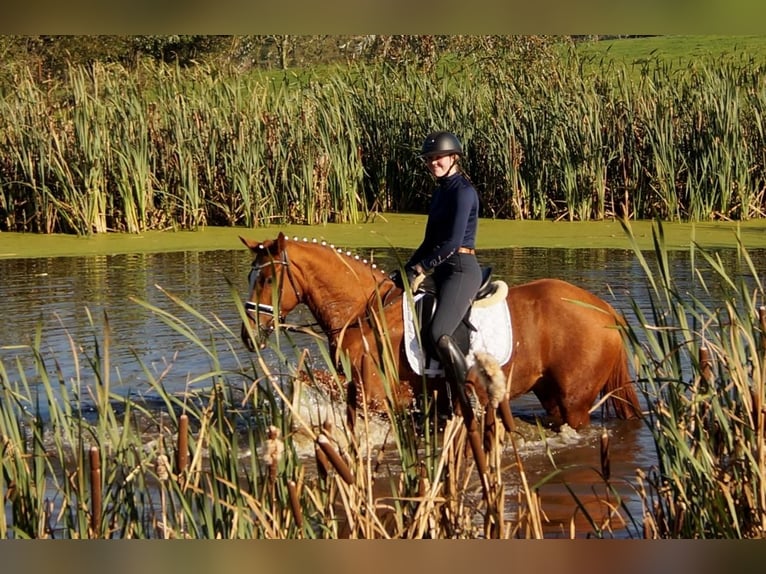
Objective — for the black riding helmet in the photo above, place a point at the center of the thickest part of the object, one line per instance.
(440, 143)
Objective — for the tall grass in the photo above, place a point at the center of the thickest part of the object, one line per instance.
(249, 452)
(231, 457)
(702, 370)
(162, 147)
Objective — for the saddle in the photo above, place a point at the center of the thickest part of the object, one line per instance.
(487, 326)
(425, 307)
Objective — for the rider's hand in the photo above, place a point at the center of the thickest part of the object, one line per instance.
(411, 276)
(396, 277)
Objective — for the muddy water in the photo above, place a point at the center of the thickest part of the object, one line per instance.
(69, 300)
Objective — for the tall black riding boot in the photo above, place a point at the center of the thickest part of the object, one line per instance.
(455, 367)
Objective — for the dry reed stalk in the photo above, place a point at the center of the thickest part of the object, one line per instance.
(434, 495)
(295, 503)
(531, 496)
(335, 459)
(678, 519)
(47, 517)
(182, 452)
(195, 466)
(271, 455)
(495, 520)
(606, 470)
(95, 487)
(649, 525)
(162, 469)
(706, 368)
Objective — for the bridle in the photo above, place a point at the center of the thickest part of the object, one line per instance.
(254, 310)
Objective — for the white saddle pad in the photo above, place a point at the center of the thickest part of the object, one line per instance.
(493, 335)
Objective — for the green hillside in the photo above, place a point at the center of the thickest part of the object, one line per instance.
(676, 50)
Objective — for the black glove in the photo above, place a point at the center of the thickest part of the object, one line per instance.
(396, 277)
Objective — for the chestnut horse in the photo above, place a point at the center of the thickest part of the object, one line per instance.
(568, 346)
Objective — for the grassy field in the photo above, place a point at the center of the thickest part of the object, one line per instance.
(678, 51)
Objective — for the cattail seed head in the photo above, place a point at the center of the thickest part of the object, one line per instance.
(273, 447)
(492, 377)
(162, 467)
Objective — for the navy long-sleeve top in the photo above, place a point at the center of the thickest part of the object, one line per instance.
(452, 221)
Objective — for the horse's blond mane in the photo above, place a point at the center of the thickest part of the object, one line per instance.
(331, 247)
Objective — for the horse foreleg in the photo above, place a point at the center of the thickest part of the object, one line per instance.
(545, 391)
(563, 407)
(365, 390)
(577, 418)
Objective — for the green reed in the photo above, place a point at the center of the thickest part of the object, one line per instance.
(226, 457)
(113, 149)
(133, 173)
(221, 459)
(702, 369)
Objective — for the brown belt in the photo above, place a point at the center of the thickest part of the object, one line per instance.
(466, 250)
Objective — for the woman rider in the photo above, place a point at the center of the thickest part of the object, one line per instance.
(447, 251)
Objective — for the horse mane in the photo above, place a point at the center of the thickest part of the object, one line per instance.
(273, 246)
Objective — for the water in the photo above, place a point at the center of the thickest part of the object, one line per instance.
(69, 299)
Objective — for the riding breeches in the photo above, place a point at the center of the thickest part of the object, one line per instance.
(457, 280)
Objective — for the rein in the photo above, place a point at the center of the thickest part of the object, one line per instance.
(308, 328)
(357, 323)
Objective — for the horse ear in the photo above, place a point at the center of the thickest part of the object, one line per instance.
(249, 244)
(281, 241)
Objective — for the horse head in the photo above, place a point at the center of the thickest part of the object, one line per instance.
(273, 291)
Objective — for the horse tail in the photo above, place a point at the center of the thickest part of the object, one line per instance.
(620, 390)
